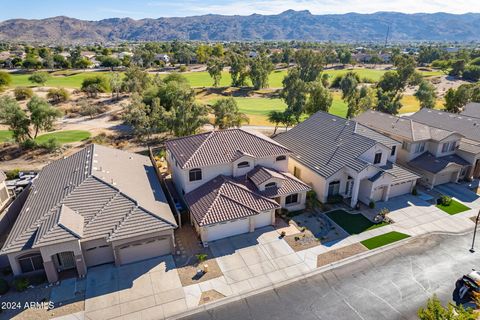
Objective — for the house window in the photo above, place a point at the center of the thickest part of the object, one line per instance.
(281, 158)
(420, 147)
(406, 146)
(244, 164)
(270, 185)
(296, 172)
(378, 158)
(452, 146)
(293, 198)
(195, 174)
(31, 262)
(394, 149)
(445, 147)
(333, 188)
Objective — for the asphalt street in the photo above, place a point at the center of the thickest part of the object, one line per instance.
(389, 285)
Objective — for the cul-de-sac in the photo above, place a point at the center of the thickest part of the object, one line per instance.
(239, 160)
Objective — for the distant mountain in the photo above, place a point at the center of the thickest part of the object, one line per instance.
(289, 25)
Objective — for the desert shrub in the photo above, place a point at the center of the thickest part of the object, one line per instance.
(335, 83)
(29, 144)
(21, 284)
(23, 93)
(444, 200)
(414, 191)
(367, 80)
(182, 68)
(4, 287)
(335, 199)
(12, 174)
(51, 144)
(372, 204)
(92, 86)
(57, 95)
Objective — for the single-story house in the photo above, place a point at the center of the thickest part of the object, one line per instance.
(99, 205)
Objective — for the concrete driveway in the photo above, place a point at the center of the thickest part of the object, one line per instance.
(460, 192)
(150, 289)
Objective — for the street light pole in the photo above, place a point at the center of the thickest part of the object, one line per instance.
(472, 250)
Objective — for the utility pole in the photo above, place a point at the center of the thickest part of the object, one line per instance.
(472, 249)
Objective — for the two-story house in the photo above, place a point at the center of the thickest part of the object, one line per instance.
(340, 157)
(233, 181)
(434, 153)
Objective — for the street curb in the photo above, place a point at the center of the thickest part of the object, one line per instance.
(310, 274)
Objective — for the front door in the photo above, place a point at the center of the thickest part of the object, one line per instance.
(65, 261)
(349, 188)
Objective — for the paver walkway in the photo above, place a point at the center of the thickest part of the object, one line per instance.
(152, 289)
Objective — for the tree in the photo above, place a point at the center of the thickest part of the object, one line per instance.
(320, 98)
(215, 67)
(145, 119)
(426, 95)
(83, 63)
(218, 50)
(405, 70)
(344, 56)
(360, 101)
(309, 64)
(435, 311)
(42, 114)
(15, 118)
(111, 62)
(458, 66)
(348, 84)
(31, 62)
(275, 117)
(443, 65)
(238, 69)
(94, 85)
(136, 80)
(471, 73)
(388, 101)
(5, 79)
(57, 95)
(186, 118)
(115, 84)
(455, 100)
(294, 93)
(227, 114)
(260, 69)
(203, 52)
(39, 77)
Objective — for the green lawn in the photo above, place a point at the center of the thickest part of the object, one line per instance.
(5, 135)
(352, 223)
(383, 239)
(66, 136)
(59, 79)
(454, 207)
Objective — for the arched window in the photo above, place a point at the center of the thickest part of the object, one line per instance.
(195, 174)
(281, 158)
(270, 185)
(243, 164)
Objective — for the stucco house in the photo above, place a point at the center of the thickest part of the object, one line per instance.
(340, 157)
(233, 181)
(99, 205)
(4, 194)
(439, 155)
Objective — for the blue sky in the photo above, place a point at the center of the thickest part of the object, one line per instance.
(137, 9)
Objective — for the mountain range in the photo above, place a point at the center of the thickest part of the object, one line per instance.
(289, 25)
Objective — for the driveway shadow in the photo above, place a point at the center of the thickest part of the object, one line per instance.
(458, 191)
(402, 202)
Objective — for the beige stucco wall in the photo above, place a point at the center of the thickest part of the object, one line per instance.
(4, 196)
(310, 177)
(12, 258)
(369, 155)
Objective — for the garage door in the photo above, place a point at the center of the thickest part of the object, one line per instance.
(399, 189)
(101, 254)
(378, 193)
(263, 219)
(227, 229)
(445, 177)
(138, 251)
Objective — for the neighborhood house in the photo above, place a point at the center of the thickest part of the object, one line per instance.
(97, 206)
(437, 153)
(233, 181)
(344, 160)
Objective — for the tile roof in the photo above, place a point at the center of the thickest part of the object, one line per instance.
(404, 127)
(225, 146)
(223, 199)
(290, 184)
(471, 109)
(470, 146)
(400, 174)
(3, 176)
(102, 185)
(469, 127)
(430, 163)
(327, 143)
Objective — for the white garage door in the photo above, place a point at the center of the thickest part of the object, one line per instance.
(445, 177)
(399, 189)
(263, 219)
(378, 193)
(101, 254)
(227, 229)
(144, 250)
